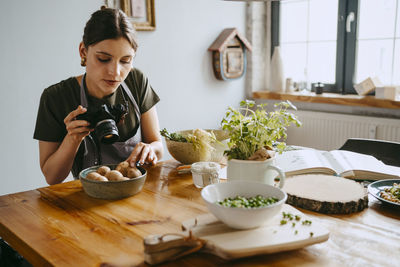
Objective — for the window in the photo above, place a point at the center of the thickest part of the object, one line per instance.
(338, 42)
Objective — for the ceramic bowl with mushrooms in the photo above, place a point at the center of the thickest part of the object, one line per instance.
(113, 181)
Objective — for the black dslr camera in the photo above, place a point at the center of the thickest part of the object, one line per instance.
(104, 120)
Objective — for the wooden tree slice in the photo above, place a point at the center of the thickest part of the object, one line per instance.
(326, 193)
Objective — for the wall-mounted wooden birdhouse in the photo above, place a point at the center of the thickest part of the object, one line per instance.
(229, 54)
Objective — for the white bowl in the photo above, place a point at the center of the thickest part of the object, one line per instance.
(242, 218)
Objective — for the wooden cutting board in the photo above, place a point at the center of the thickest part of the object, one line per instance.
(326, 193)
(229, 243)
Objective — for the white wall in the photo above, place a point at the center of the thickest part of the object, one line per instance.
(39, 45)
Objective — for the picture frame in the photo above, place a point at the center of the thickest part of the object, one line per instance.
(141, 13)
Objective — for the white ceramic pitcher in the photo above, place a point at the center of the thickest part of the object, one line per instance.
(252, 170)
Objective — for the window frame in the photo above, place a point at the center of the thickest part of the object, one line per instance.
(345, 45)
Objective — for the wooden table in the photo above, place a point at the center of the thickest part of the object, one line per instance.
(60, 225)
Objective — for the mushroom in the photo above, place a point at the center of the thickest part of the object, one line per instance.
(96, 177)
(123, 168)
(133, 172)
(115, 175)
(103, 170)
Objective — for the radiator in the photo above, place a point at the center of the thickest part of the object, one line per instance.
(328, 131)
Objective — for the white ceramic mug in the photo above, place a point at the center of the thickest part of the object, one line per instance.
(252, 170)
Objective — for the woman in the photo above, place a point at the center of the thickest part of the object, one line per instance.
(68, 143)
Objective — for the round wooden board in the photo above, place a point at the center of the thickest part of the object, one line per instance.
(326, 193)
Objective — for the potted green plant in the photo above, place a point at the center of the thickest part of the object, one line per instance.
(255, 135)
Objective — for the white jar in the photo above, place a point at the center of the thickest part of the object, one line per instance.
(205, 173)
(276, 76)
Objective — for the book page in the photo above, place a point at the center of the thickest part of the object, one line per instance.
(306, 159)
(345, 161)
(387, 172)
(392, 170)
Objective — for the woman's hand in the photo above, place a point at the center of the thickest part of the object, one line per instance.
(56, 159)
(151, 149)
(142, 153)
(77, 129)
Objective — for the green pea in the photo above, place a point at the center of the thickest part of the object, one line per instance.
(243, 202)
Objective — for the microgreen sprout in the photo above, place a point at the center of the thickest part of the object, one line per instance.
(287, 216)
(251, 128)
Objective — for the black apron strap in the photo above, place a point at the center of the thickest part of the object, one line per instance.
(135, 105)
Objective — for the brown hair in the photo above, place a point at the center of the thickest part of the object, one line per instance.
(108, 23)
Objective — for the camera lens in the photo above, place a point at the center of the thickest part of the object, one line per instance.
(107, 131)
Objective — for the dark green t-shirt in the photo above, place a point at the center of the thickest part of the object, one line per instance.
(60, 99)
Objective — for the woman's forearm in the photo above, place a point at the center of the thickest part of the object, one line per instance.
(59, 164)
(56, 159)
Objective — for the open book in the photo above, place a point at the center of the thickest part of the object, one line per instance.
(336, 162)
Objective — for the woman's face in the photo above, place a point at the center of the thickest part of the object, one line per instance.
(107, 64)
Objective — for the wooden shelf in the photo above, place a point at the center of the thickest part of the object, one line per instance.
(329, 98)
